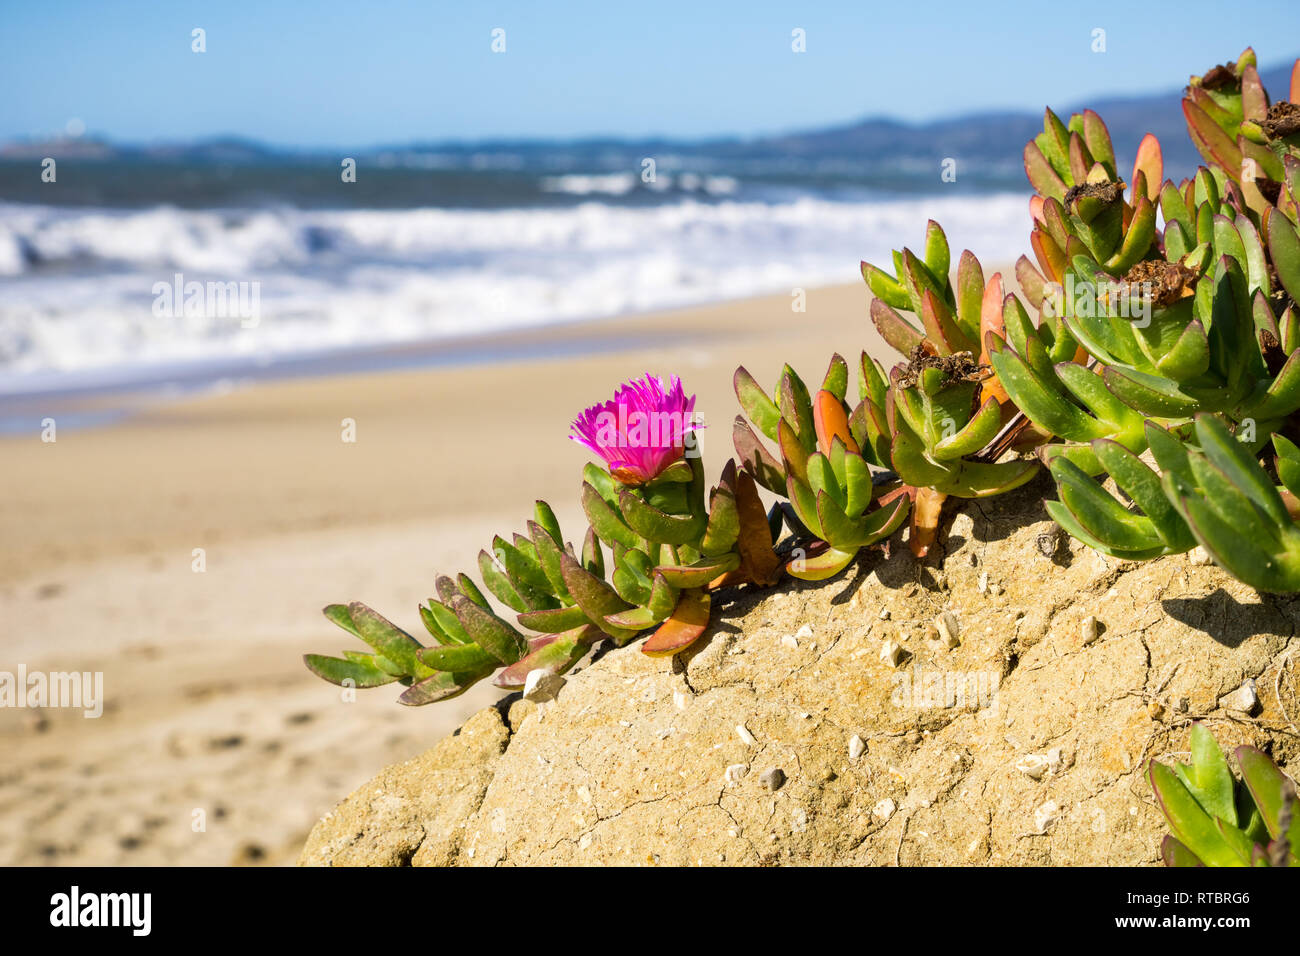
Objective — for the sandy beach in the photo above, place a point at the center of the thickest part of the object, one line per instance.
(216, 746)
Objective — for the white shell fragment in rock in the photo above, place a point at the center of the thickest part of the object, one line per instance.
(789, 641)
(1244, 698)
(773, 779)
(892, 653)
(735, 772)
(804, 632)
(1055, 759)
(541, 686)
(743, 733)
(948, 628)
(884, 614)
(883, 810)
(1198, 556)
(1088, 630)
(983, 584)
(1033, 765)
(1045, 817)
(857, 747)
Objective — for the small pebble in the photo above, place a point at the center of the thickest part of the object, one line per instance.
(857, 747)
(1244, 698)
(884, 614)
(1088, 630)
(789, 641)
(1198, 556)
(948, 628)
(541, 686)
(1045, 817)
(1032, 765)
(735, 772)
(891, 652)
(883, 810)
(773, 779)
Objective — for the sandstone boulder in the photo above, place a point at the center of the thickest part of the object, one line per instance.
(997, 706)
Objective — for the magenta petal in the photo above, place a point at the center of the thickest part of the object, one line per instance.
(642, 430)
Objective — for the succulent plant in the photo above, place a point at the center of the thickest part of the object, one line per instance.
(1217, 820)
(667, 551)
(940, 420)
(1254, 142)
(823, 468)
(1079, 208)
(1178, 324)
(1233, 508)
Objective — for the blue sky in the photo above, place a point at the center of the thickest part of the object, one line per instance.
(332, 73)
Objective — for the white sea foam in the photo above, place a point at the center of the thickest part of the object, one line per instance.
(77, 284)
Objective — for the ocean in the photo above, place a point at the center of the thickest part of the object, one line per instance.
(174, 272)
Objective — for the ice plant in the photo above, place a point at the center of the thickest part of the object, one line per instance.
(941, 419)
(1193, 347)
(655, 547)
(835, 506)
(643, 430)
(1215, 819)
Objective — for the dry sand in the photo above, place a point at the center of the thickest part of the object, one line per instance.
(216, 745)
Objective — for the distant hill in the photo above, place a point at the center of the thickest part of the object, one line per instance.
(873, 153)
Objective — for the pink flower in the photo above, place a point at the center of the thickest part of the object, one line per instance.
(643, 430)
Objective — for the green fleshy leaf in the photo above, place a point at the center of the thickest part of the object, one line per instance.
(554, 621)
(547, 521)
(825, 565)
(1190, 824)
(1142, 485)
(440, 686)
(901, 335)
(1100, 515)
(1288, 463)
(337, 671)
(1264, 781)
(489, 632)
(553, 655)
(978, 432)
(595, 597)
(755, 458)
(699, 574)
(463, 657)
(605, 520)
(388, 639)
(502, 588)
(836, 380)
(1239, 467)
(548, 554)
(724, 523)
